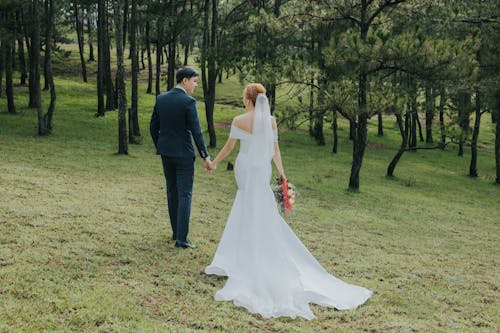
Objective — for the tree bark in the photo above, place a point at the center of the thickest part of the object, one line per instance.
(159, 32)
(8, 44)
(208, 67)
(101, 9)
(442, 103)
(335, 132)
(120, 80)
(81, 43)
(404, 143)
(108, 79)
(429, 114)
(464, 107)
(35, 63)
(90, 34)
(496, 111)
(134, 130)
(380, 127)
(171, 62)
(475, 136)
(20, 45)
(150, 63)
(48, 56)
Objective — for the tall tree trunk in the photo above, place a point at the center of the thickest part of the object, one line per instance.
(35, 47)
(208, 70)
(120, 80)
(311, 106)
(359, 142)
(134, 130)
(150, 63)
(81, 43)
(48, 56)
(475, 136)
(101, 26)
(159, 47)
(496, 111)
(186, 54)
(380, 127)
(442, 103)
(429, 113)
(90, 34)
(2, 60)
(413, 113)
(125, 23)
(404, 142)
(108, 79)
(171, 62)
(335, 132)
(20, 46)
(464, 107)
(319, 115)
(8, 44)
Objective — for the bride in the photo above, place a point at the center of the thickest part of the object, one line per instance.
(269, 270)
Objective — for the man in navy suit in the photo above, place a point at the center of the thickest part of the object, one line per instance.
(174, 125)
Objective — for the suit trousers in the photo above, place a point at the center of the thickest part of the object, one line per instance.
(179, 174)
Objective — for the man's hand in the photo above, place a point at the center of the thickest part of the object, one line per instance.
(208, 166)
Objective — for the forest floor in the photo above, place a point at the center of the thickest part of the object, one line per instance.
(85, 240)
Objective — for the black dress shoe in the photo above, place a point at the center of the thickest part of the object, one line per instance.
(185, 245)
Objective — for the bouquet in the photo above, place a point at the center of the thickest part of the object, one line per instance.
(284, 193)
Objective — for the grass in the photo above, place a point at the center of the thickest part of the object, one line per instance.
(84, 233)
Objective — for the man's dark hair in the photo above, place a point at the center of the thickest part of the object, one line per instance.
(185, 72)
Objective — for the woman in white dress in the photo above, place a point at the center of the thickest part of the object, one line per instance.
(269, 270)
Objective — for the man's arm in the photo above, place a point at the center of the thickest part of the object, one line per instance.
(154, 126)
(193, 124)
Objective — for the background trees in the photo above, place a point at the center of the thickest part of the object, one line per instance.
(429, 67)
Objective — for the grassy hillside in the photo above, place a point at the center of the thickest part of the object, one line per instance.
(85, 241)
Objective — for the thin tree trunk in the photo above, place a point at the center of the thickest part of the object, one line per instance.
(108, 79)
(464, 106)
(380, 127)
(150, 63)
(35, 46)
(404, 143)
(208, 70)
(186, 53)
(335, 132)
(475, 136)
(81, 43)
(48, 55)
(2, 60)
(171, 62)
(20, 45)
(8, 44)
(429, 113)
(496, 111)
(134, 131)
(159, 52)
(100, 57)
(125, 23)
(442, 103)
(419, 125)
(414, 119)
(120, 80)
(311, 106)
(90, 35)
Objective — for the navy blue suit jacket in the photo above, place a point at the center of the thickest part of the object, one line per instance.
(174, 124)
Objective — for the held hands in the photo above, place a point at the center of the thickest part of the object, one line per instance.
(208, 165)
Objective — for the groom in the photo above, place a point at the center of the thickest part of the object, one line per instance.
(173, 125)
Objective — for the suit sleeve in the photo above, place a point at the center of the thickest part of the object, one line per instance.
(154, 126)
(193, 124)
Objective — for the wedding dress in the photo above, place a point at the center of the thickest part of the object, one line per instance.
(269, 270)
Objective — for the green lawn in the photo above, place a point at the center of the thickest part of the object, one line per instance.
(85, 241)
